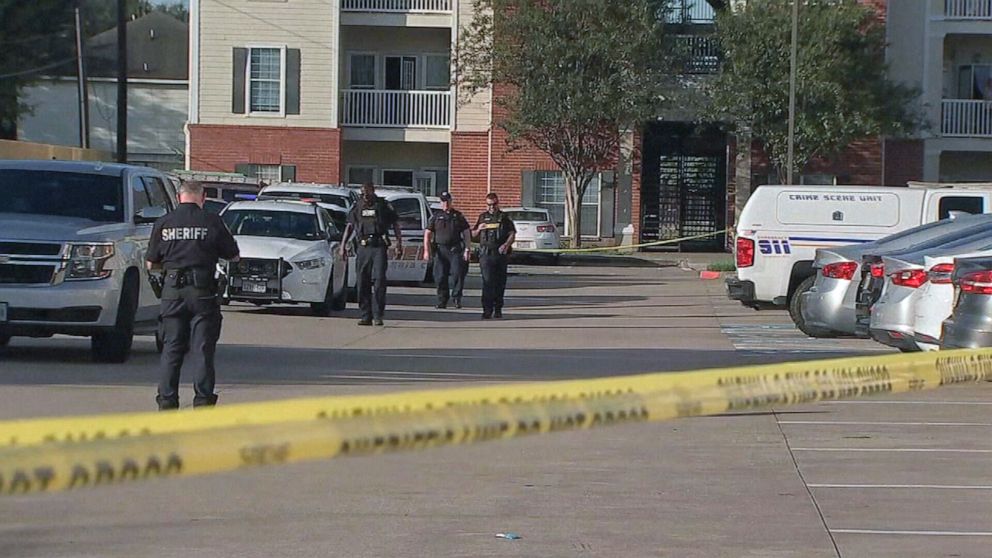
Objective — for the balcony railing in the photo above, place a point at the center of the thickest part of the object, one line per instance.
(397, 6)
(965, 118)
(395, 109)
(700, 52)
(968, 9)
(689, 12)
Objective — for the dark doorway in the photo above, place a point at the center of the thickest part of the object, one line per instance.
(684, 185)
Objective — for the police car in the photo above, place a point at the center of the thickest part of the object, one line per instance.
(289, 255)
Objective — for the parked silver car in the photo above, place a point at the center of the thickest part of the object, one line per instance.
(828, 308)
(970, 325)
(892, 316)
(873, 271)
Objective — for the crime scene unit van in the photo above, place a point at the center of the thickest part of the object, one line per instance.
(781, 227)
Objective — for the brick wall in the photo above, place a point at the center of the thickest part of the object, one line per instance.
(469, 172)
(903, 161)
(316, 152)
(860, 163)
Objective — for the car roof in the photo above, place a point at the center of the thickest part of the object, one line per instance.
(88, 167)
(307, 188)
(508, 209)
(274, 205)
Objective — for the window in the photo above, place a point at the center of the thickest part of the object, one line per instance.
(410, 216)
(975, 82)
(437, 74)
(361, 175)
(64, 194)
(551, 196)
(156, 192)
(397, 178)
(139, 194)
(961, 204)
(268, 173)
(401, 73)
(278, 224)
(265, 80)
(362, 71)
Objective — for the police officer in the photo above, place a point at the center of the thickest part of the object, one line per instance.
(449, 234)
(370, 220)
(496, 234)
(187, 243)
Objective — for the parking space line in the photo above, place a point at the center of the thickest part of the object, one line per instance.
(906, 486)
(882, 423)
(920, 533)
(895, 450)
(896, 402)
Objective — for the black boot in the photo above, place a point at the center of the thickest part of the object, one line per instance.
(458, 303)
(167, 404)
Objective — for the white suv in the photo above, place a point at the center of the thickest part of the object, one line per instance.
(72, 250)
(289, 255)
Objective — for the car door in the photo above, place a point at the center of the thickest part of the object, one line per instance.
(338, 275)
(152, 193)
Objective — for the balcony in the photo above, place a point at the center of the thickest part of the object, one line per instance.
(701, 53)
(968, 9)
(397, 6)
(966, 119)
(371, 108)
(689, 12)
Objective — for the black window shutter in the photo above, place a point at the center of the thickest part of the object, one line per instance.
(528, 187)
(246, 169)
(238, 81)
(288, 173)
(293, 81)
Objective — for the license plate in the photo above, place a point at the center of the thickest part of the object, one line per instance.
(3, 312)
(521, 244)
(250, 287)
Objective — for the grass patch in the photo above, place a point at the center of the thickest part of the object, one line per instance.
(725, 265)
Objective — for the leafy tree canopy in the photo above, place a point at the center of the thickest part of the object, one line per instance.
(843, 92)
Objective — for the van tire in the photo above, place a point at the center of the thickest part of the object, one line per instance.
(795, 311)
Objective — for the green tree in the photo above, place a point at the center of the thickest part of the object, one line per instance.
(843, 93)
(573, 76)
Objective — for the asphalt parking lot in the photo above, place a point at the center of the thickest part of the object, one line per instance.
(892, 476)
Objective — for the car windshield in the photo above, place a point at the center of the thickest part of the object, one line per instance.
(528, 216)
(214, 206)
(335, 199)
(279, 224)
(64, 194)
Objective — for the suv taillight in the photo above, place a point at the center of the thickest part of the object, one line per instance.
(545, 228)
(978, 282)
(912, 278)
(940, 274)
(840, 270)
(745, 252)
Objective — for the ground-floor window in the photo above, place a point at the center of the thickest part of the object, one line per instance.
(268, 174)
(361, 175)
(551, 196)
(397, 178)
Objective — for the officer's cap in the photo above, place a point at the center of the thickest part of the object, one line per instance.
(445, 196)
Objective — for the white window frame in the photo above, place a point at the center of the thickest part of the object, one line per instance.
(418, 71)
(258, 167)
(375, 70)
(282, 82)
(425, 57)
(382, 176)
(348, 169)
(599, 205)
(971, 82)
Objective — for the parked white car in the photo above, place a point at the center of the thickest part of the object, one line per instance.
(935, 301)
(535, 228)
(328, 196)
(289, 255)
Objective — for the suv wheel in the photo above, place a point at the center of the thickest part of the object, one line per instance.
(115, 345)
(796, 313)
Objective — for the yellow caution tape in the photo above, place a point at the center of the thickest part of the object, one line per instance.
(619, 248)
(253, 435)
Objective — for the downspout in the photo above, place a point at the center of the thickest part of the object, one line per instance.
(193, 112)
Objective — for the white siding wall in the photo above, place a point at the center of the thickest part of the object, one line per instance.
(473, 113)
(308, 25)
(156, 114)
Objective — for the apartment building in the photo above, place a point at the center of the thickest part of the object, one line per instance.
(944, 48)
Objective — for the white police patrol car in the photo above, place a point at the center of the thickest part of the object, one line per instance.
(289, 255)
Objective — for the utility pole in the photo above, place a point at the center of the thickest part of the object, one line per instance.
(121, 81)
(84, 102)
(790, 160)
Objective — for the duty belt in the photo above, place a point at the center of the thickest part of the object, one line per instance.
(373, 240)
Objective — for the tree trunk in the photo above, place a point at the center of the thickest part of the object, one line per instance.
(573, 205)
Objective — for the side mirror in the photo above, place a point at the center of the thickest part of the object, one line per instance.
(149, 214)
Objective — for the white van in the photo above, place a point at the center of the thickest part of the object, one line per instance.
(414, 213)
(781, 227)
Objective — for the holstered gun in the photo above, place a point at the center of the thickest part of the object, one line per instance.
(155, 280)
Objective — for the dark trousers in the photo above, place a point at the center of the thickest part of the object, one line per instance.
(191, 322)
(449, 271)
(371, 262)
(493, 266)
